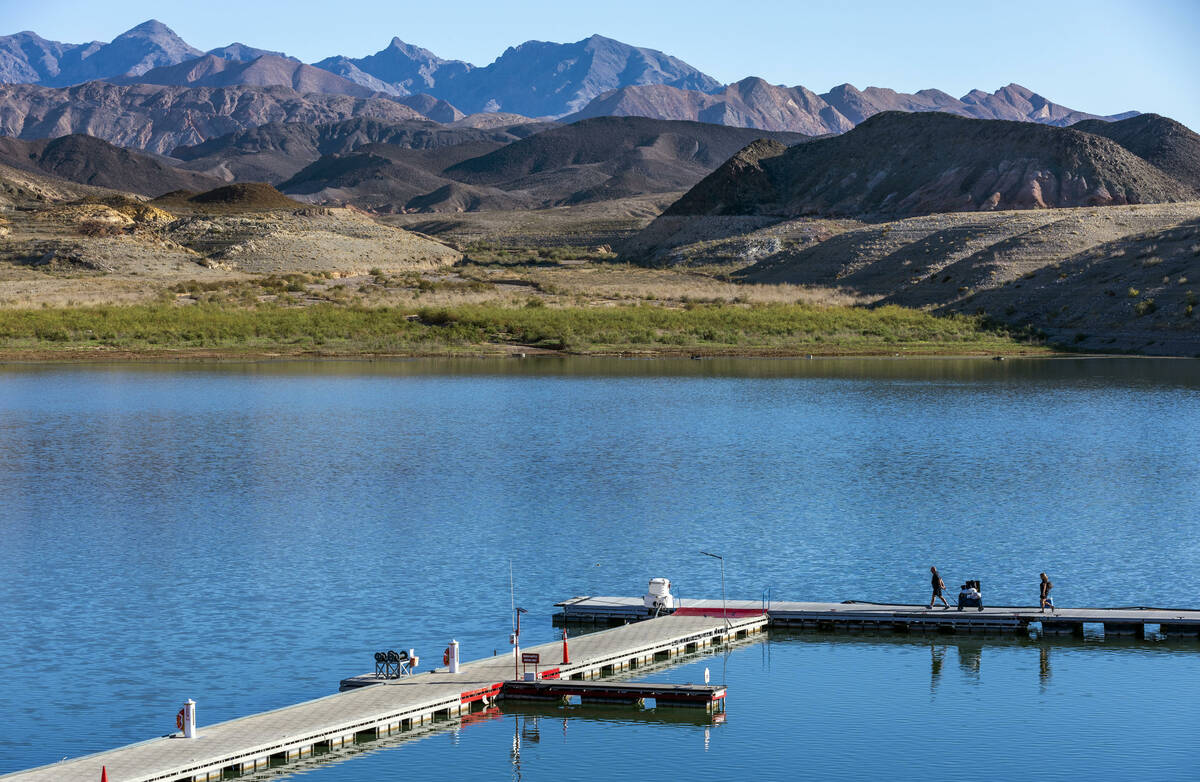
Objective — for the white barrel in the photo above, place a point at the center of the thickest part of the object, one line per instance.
(660, 587)
(454, 657)
(658, 594)
(189, 719)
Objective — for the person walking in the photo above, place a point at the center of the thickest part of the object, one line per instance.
(938, 585)
(1047, 585)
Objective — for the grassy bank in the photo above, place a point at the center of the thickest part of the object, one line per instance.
(767, 329)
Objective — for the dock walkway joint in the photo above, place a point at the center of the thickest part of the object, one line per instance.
(251, 743)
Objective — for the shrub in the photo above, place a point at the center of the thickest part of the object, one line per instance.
(1144, 307)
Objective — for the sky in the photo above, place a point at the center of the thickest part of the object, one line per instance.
(1099, 56)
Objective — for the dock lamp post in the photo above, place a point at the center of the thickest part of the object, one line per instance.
(517, 643)
(724, 611)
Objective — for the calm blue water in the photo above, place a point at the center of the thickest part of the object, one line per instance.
(246, 534)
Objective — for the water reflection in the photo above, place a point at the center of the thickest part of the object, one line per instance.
(1057, 370)
(970, 660)
(970, 651)
(937, 658)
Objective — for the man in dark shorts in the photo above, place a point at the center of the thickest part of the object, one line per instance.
(938, 585)
(1046, 600)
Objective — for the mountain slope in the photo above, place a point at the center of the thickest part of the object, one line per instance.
(265, 71)
(26, 57)
(754, 103)
(595, 160)
(277, 151)
(399, 68)
(750, 103)
(541, 79)
(149, 45)
(158, 119)
(608, 157)
(602, 141)
(897, 164)
(240, 52)
(91, 161)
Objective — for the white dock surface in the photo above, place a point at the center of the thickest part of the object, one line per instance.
(782, 608)
(264, 734)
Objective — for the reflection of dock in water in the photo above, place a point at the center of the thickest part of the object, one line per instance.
(971, 652)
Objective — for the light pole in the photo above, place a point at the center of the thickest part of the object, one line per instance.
(517, 643)
(724, 611)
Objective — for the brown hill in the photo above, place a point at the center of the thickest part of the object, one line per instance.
(608, 157)
(22, 187)
(91, 161)
(240, 197)
(436, 109)
(898, 164)
(1160, 141)
(389, 179)
(594, 160)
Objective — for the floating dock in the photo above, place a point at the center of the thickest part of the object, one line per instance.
(899, 618)
(690, 695)
(374, 707)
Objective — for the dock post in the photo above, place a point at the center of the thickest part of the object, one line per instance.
(189, 719)
(453, 656)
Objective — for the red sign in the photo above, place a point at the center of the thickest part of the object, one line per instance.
(530, 658)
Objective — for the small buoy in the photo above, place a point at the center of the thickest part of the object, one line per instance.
(997, 358)
(597, 564)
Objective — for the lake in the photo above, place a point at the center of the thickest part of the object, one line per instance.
(247, 534)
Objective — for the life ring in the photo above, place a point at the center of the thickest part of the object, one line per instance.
(446, 656)
(179, 719)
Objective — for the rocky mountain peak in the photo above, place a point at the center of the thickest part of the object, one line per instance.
(158, 34)
(240, 52)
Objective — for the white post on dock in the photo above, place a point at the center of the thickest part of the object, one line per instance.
(189, 719)
(453, 656)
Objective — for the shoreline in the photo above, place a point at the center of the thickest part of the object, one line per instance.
(83, 356)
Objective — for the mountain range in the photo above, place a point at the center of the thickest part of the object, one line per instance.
(596, 76)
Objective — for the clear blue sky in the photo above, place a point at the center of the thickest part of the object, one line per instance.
(1101, 56)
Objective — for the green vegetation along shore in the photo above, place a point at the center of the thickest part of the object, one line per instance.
(156, 330)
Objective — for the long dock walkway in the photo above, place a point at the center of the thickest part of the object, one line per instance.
(903, 618)
(255, 742)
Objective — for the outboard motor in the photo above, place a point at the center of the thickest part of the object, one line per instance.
(658, 598)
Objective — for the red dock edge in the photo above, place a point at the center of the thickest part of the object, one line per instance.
(730, 613)
(489, 692)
